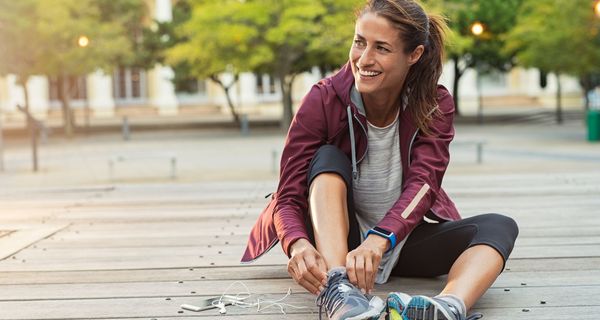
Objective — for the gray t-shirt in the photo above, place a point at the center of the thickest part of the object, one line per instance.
(379, 184)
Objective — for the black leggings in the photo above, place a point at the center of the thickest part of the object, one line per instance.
(431, 248)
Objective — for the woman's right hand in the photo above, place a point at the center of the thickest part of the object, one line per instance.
(307, 267)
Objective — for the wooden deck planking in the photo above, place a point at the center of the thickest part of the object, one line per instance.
(127, 248)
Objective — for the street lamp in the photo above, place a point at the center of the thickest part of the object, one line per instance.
(477, 29)
(83, 41)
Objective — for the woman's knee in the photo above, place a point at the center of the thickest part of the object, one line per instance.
(330, 181)
(508, 224)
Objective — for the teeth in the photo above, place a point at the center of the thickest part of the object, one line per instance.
(367, 73)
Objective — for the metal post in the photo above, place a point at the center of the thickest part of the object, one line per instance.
(245, 125)
(33, 130)
(274, 161)
(125, 129)
(173, 167)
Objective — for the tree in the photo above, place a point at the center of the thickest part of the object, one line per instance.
(281, 37)
(217, 38)
(485, 52)
(19, 49)
(548, 39)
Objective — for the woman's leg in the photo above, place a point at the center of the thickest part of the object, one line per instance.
(472, 251)
(473, 273)
(332, 226)
(329, 217)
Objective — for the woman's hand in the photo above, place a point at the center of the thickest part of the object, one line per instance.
(362, 263)
(307, 267)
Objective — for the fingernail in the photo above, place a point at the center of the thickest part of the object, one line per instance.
(363, 291)
(321, 288)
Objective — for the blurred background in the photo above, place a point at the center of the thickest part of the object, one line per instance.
(96, 75)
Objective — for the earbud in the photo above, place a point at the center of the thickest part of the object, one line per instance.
(221, 307)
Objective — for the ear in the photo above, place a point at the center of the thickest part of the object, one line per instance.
(416, 54)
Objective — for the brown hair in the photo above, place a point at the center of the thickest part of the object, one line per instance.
(416, 28)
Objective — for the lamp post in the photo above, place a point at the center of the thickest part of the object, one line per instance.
(477, 29)
(83, 42)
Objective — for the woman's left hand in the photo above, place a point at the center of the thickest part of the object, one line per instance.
(362, 263)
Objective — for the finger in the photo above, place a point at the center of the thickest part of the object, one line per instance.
(369, 274)
(306, 279)
(360, 273)
(313, 271)
(323, 270)
(350, 269)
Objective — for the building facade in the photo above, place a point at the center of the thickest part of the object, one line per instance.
(153, 92)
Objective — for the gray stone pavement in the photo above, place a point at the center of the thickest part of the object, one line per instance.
(227, 155)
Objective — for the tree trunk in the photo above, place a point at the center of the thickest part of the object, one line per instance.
(559, 116)
(457, 74)
(23, 83)
(285, 83)
(226, 89)
(64, 96)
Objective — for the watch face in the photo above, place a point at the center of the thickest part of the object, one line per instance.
(383, 231)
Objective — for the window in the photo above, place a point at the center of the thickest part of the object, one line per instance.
(265, 84)
(129, 85)
(76, 86)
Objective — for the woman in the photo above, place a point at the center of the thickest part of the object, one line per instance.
(360, 197)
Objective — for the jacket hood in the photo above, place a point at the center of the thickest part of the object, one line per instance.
(342, 81)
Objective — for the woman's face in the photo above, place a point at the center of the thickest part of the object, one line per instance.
(379, 63)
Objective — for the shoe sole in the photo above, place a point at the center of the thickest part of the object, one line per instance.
(425, 308)
(396, 303)
(376, 307)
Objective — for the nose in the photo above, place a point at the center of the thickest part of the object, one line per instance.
(366, 58)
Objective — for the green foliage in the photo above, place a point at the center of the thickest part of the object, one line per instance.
(18, 39)
(279, 37)
(486, 51)
(561, 36)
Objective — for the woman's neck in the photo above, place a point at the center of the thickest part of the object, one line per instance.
(381, 111)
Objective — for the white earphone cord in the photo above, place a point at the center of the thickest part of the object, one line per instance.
(239, 300)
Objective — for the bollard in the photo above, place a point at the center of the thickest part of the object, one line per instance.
(125, 129)
(245, 126)
(173, 167)
(274, 161)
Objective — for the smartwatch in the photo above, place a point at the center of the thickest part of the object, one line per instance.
(383, 233)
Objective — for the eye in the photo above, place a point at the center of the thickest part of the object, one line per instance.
(359, 42)
(383, 49)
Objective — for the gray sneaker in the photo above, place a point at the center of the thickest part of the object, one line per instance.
(426, 308)
(343, 301)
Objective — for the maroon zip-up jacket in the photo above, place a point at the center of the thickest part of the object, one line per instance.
(323, 119)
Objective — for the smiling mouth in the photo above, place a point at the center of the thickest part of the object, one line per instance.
(368, 73)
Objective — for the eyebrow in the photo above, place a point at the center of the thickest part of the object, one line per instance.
(376, 42)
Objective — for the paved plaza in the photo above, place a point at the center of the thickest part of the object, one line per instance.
(115, 229)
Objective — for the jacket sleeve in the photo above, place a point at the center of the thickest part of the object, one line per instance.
(429, 156)
(308, 131)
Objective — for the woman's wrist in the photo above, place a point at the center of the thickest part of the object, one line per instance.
(380, 242)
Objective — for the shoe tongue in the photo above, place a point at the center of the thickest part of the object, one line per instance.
(336, 270)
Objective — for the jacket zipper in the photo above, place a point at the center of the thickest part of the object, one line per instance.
(366, 136)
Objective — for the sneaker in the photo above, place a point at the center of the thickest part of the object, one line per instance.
(343, 301)
(426, 308)
(396, 304)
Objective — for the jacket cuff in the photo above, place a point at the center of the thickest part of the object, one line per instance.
(288, 240)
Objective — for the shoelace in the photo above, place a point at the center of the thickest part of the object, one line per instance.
(331, 296)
